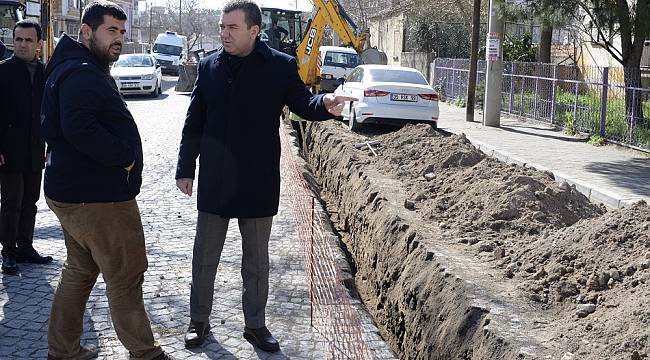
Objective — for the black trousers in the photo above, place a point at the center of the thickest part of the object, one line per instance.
(19, 193)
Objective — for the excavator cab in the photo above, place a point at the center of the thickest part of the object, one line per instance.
(11, 11)
(281, 29)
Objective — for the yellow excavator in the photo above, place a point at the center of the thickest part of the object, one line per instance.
(328, 13)
(282, 30)
(48, 30)
(331, 13)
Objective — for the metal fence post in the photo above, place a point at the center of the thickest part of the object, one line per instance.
(453, 78)
(521, 102)
(535, 102)
(513, 69)
(575, 107)
(554, 94)
(603, 101)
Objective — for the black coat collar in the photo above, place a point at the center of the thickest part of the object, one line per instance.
(260, 48)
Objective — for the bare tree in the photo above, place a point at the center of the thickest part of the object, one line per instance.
(197, 21)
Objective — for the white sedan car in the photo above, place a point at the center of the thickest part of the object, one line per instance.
(388, 94)
(137, 74)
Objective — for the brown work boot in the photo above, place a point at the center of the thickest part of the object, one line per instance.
(86, 352)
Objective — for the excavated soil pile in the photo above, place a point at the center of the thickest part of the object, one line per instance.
(583, 269)
(473, 196)
(596, 276)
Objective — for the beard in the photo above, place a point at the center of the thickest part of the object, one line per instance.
(103, 53)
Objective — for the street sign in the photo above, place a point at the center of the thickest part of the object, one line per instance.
(492, 46)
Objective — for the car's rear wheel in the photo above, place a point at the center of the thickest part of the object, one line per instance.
(352, 122)
(160, 88)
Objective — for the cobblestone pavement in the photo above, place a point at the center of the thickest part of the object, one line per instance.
(169, 220)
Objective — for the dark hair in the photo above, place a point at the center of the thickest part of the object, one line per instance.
(252, 12)
(94, 12)
(29, 23)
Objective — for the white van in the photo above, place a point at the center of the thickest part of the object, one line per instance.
(335, 62)
(169, 49)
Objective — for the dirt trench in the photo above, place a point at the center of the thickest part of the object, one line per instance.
(461, 256)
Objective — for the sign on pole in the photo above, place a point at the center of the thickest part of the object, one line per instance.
(493, 46)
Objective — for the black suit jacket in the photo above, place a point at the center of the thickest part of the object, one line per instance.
(232, 123)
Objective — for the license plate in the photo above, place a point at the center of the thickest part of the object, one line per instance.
(403, 97)
(130, 85)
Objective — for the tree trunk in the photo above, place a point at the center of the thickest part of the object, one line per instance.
(473, 59)
(633, 97)
(633, 32)
(546, 37)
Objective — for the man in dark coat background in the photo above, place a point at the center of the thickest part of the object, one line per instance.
(22, 148)
(232, 123)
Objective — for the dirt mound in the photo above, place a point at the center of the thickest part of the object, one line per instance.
(597, 273)
(474, 196)
(586, 268)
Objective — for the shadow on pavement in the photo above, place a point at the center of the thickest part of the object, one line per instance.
(541, 132)
(27, 300)
(633, 174)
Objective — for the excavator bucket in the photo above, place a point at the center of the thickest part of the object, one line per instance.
(374, 56)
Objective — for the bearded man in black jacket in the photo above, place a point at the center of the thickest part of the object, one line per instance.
(92, 177)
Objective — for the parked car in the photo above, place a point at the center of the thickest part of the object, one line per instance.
(336, 62)
(137, 74)
(388, 94)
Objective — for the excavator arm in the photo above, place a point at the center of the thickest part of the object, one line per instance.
(328, 12)
(48, 30)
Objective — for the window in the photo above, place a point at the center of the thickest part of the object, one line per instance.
(341, 59)
(400, 76)
(355, 76)
(72, 29)
(167, 49)
(134, 61)
(7, 16)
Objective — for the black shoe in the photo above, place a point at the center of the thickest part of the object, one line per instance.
(164, 356)
(196, 334)
(9, 266)
(86, 352)
(32, 256)
(261, 338)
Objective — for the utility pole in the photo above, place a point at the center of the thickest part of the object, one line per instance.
(494, 70)
(180, 22)
(150, 30)
(473, 59)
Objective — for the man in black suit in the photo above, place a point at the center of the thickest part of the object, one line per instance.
(22, 148)
(232, 122)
